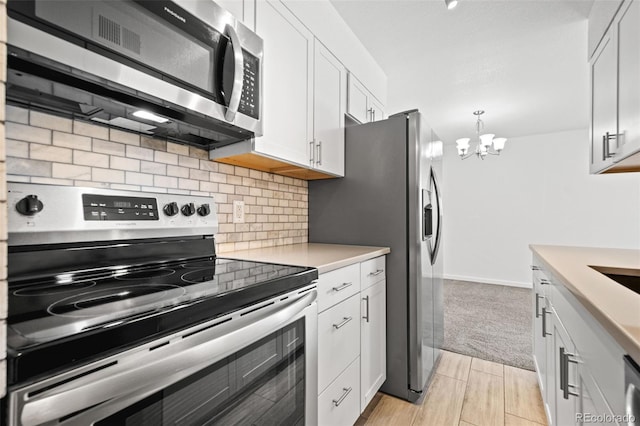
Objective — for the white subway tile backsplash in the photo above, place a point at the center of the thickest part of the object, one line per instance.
(122, 163)
(116, 135)
(86, 158)
(177, 148)
(69, 171)
(91, 155)
(16, 114)
(165, 157)
(52, 122)
(105, 147)
(92, 130)
(69, 140)
(26, 133)
(107, 175)
(50, 153)
(134, 178)
(18, 178)
(153, 168)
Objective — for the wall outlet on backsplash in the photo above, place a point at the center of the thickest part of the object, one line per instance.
(238, 211)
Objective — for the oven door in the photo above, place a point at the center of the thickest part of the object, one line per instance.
(255, 366)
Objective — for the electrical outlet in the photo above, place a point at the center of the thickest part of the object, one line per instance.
(238, 212)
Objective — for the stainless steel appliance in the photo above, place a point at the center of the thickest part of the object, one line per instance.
(390, 196)
(632, 392)
(120, 313)
(182, 69)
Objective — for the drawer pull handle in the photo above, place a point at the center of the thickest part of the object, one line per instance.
(342, 287)
(377, 272)
(346, 391)
(343, 323)
(535, 268)
(544, 281)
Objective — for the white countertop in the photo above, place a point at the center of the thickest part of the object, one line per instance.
(616, 307)
(325, 257)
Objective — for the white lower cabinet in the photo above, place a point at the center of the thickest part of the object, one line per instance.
(373, 352)
(351, 340)
(339, 404)
(579, 366)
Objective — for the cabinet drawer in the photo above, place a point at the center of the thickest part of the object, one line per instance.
(372, 271)
(338, 285)
(338, 339)
(339, 404)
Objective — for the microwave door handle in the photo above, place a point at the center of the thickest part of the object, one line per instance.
(131, 381)
(238, 77)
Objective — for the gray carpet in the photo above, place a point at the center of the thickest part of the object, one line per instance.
(490, 322)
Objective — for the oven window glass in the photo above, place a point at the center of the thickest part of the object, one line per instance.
(262, 384)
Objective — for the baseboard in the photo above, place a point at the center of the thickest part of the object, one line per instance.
(488, 281)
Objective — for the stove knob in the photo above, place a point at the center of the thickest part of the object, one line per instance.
(171, 209)
(29, 205)
(188, 209)
(204, 210)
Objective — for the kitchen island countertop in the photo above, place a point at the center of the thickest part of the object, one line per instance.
(325, 257)
(616, 307)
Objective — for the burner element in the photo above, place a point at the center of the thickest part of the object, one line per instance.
(53, 289)
(107, 300)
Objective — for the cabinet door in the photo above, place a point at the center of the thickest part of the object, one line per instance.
(592, 406)
(287, 82)
(235, 7)
(330, 86)
(565, 374)
(357, 102)
(628, 31)
(373, 341)
(604, 142)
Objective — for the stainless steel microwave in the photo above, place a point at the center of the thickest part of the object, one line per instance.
(186, 70)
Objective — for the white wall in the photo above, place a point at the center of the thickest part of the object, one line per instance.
(538, 192)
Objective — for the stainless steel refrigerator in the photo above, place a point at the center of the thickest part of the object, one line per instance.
(390, 196)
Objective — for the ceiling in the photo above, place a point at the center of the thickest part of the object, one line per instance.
(523, 62)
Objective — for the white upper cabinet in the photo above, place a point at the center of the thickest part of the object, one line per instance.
(330, 99)
(615, 94)
(287, 82)
(243, 10)
(362, 105)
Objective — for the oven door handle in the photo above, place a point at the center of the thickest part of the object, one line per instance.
(112, 389)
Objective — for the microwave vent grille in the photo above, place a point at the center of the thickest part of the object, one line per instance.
(118, 35)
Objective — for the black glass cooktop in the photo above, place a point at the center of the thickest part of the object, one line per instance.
(87, 313)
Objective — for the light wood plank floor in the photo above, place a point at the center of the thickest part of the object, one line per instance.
(465, 391)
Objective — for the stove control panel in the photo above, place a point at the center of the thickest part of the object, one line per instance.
(107, 207)
(46, 214)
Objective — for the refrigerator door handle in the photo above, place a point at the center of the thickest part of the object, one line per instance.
(436, 193)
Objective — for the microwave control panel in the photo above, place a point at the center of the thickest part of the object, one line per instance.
(250, 99)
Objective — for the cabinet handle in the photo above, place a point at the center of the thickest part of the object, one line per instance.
(544, 322)
(605, 144)
(366, 299)
(535, 268)
(342, 287)
(311, 151)
(374, 115)
(319, 160)
(565, 359)
(376, 272)
(343, 323)
(538, 297)
(338, 401)
(370, 111)
(544, 281)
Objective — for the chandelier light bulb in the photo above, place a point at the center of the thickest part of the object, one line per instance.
(486, 140)
(498, 144)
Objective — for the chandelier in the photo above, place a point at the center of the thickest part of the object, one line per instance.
(486, 142)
